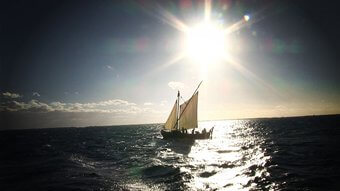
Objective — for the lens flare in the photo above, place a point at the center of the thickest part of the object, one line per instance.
(246, 17)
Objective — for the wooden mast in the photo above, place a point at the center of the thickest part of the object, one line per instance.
(177, 122)
(178, 111)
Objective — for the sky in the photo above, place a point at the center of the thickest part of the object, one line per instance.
(93, 63)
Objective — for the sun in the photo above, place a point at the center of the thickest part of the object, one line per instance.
(206, 43)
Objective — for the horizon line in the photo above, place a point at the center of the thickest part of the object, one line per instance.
(135, 124)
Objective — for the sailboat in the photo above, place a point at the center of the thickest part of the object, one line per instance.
(183, 117)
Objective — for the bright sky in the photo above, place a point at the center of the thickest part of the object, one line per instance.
(105, 63)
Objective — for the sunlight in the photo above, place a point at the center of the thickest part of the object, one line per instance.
(209, 44)
(227, 164)
(206, 43)
(246, 17)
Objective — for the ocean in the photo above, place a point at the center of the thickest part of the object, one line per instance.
(297, 153)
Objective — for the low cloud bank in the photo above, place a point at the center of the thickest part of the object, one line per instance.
(10, 95)
(37, 114)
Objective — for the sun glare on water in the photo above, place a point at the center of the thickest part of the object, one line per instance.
(206, 43)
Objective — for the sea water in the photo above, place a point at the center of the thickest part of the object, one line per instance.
(300, 153)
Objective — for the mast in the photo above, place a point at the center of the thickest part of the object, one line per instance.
(178, 110)
(179, 114)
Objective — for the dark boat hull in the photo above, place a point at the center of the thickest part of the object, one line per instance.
(180, 135)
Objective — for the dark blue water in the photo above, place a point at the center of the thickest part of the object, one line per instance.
(259, 154)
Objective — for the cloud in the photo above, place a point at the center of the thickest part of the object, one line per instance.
(112, 102)
(176, 85)
(109, 106)
(10, 95)
(58, 105)
(148, 103)
(39, 114)
(109, 67)
(36, 94)
(33, 105)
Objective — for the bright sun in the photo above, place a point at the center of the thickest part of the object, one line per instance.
(206, 43)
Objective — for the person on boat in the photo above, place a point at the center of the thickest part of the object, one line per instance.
(211, 131)
(193, 131)
(204, 131)
(186, 131)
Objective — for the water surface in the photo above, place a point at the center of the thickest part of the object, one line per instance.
(258, 154)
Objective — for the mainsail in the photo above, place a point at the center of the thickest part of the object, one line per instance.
(172, 119)
(188, 117)
(182, 106)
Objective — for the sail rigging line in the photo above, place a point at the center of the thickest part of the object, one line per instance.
(180, 113)
(182, 99)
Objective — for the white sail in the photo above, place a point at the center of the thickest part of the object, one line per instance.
(188, 118)
(182, 106)
(170, 123)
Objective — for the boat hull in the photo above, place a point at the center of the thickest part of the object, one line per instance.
(180, 135)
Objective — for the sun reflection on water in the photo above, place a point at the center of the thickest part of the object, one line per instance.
(231, 160)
